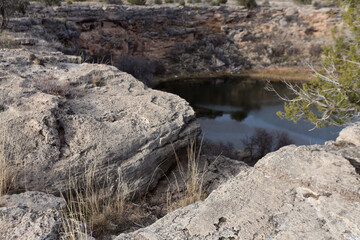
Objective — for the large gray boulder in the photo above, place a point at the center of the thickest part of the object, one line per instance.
(60, 120)
(30, 215)
(297, 192)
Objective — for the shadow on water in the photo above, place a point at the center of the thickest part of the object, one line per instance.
(230, 110)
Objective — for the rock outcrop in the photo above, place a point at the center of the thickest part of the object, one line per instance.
(30, 215)
(297, 192)
(62, 120)
(177, 40)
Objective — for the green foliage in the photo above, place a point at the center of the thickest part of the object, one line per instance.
(137, 2)
(303, 2)
(9, 7)
(333, 98)
(158, 2)
(182, 2)
(50, 2)
(249, 4)
(117, 2)
(266, 3)
(169, 1)
(222, 1)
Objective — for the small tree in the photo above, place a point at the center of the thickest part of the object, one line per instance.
(333, 98)
(9, 7)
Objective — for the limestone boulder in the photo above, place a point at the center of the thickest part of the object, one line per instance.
(61, 120)
(297, 192)
(30, 215)
(350, 134)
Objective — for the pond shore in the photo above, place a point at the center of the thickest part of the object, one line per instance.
(273, 74)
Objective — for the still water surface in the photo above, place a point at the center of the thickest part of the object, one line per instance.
(231, 110)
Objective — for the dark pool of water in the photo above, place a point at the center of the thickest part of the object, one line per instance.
(231, 110)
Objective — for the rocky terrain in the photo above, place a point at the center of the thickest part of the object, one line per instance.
(173, 40)
(304, 192)
(60, 119)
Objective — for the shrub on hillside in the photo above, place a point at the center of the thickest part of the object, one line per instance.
(159, 2)
(315, 50)
(303, 2)
(50, 2)
(9, 7)
(118, 2)
(249, 4)
(137, 2)
(140, 67)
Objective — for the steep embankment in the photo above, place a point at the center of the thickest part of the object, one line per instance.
(175, 40)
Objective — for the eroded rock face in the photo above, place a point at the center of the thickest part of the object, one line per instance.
(61, 120)
(186, 40)
(30, 215)
(304, 192)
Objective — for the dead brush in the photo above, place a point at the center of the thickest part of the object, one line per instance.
(189, 186)
(93, 208)
(51, 85)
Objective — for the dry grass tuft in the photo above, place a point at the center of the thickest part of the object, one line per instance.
(97, 80)
(189, 187)
(93, 208)
(6, 178)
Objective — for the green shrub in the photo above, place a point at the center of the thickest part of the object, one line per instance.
(249, 4)
(303, 2)
(50, 2)
(118, 2)
(169, 1)
(69, 2)
(213, 3)
(222, 1)
(182, 2)
(159, 2)
(137, 2)
(266, 3)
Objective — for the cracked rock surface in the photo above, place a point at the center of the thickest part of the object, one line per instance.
(297, 192)
(60, 119)
(30, 215)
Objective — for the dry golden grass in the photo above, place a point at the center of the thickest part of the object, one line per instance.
(93, 208)
(191, 179)
(6, 177)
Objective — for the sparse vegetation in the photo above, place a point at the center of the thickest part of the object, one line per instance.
(117, 2)
(303, 2)
(51, 85)
(50, 2)
(263, 142)
(191, 177)
(9, 7)
(159, 2)
(140, 67)
(137, 2)
(6, 178)
(315, 50)
(266, 3)
(249, 4)
(93, 207)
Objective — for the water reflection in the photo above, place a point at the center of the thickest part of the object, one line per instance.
(231, 110)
